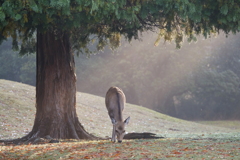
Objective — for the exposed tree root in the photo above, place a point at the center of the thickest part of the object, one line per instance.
(37, 137)
(33, 139)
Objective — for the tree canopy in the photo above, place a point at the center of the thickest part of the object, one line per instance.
(109, 19)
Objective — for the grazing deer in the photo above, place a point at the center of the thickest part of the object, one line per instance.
(115, 101)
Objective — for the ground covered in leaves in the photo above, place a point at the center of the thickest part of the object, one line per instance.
(169, 148)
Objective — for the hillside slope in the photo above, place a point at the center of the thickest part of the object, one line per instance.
(17, 111)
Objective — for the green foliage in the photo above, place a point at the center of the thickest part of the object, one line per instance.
(174, 18)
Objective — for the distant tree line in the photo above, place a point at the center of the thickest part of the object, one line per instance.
(16, 67)
(198, 82)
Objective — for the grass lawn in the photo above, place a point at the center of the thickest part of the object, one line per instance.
(183, 139)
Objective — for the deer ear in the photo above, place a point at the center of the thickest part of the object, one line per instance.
(127, 120)
(113, 121)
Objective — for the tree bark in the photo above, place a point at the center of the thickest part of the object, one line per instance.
(56, 115)
(56, 89)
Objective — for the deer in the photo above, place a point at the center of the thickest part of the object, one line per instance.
(115, 101)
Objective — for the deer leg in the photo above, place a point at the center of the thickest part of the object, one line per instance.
(114, 134)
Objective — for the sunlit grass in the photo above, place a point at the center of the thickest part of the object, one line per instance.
(233, 124)
(17, 113)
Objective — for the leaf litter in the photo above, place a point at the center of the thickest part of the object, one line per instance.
(173, 148)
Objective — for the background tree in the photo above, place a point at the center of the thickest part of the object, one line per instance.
(154, 76)
(64, 25)
(15, 67)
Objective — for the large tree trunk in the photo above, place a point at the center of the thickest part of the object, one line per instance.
(56, 115)
(56, 89)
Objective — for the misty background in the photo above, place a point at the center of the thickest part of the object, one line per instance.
(200, 81)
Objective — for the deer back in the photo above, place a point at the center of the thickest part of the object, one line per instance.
(115, 101)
